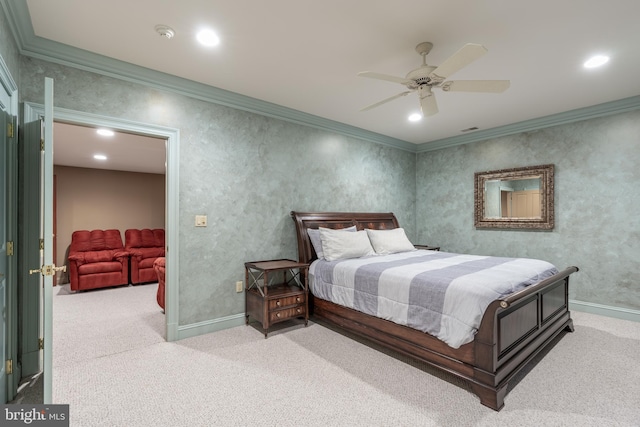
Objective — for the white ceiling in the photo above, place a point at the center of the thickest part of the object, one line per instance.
(76, 145)
(305, 54)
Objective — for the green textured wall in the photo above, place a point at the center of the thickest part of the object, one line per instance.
(246, 172)
(596, 203)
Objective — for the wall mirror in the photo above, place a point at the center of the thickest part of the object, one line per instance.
(515, 198)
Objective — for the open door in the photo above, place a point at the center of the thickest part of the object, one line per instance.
(46, 269)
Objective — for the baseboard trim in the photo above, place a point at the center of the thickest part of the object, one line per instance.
(605, 310)
(201, 328)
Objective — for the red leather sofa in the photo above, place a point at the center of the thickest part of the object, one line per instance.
(97, 259)
(144, 246)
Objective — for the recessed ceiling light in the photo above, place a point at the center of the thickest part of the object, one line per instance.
(100, 157)
(415, 117)
(596, 61)
(105, 132)
(208, 38)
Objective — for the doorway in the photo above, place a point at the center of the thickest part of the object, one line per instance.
(32, 112)
(105, 179)
(172, 138)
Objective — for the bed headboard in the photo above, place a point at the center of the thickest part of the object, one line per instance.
(336, 220)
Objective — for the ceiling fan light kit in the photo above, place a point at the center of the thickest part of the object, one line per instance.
(426, 77)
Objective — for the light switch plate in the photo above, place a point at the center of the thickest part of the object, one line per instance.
(201, 220)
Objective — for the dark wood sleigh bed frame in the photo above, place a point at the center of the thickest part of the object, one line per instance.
(512, 332)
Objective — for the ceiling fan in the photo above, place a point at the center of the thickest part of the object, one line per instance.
(427, 77)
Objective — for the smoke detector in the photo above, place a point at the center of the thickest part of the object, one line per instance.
(165, 31)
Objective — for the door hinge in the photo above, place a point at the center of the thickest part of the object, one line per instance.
(42, 145)
(9, 367)
(9, 130)
(40, 343)
(9, 248)
(41, 244)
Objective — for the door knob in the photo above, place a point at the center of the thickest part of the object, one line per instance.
(48, 270)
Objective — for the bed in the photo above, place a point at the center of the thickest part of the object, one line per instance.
(513, 329)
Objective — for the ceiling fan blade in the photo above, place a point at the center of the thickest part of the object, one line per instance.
(428, 103)
(386, 77)
(488, 86)
(384, 101)
(463, 57)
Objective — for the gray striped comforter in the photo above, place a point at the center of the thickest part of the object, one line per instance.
(443, 294)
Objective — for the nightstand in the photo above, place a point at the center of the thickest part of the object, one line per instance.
(275, 291)
(427, 247)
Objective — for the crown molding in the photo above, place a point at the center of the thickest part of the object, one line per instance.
(30, 45)
(19, 20)
(33, 46)
(600, 110)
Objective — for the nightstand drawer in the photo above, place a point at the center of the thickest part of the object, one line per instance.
(287, 313)
(283, 302)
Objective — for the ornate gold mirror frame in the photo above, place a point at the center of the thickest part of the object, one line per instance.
(519, 198)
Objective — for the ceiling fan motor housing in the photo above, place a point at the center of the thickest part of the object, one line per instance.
(419, 76)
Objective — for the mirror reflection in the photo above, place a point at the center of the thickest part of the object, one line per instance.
(515, 198)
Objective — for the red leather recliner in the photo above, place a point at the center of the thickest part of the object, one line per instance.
(144, 246)
(97, 259)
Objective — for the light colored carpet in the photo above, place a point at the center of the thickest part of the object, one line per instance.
(113, 367)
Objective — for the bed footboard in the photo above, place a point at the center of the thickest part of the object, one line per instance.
(514, 330)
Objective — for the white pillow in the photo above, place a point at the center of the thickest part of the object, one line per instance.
(391, 241)
(314, 236)
(339, 244)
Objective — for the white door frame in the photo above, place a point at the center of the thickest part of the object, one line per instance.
(34, 111)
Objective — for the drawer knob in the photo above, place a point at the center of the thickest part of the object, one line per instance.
(278, 303)
(299, 310)
(297, 299)
(277, 314)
